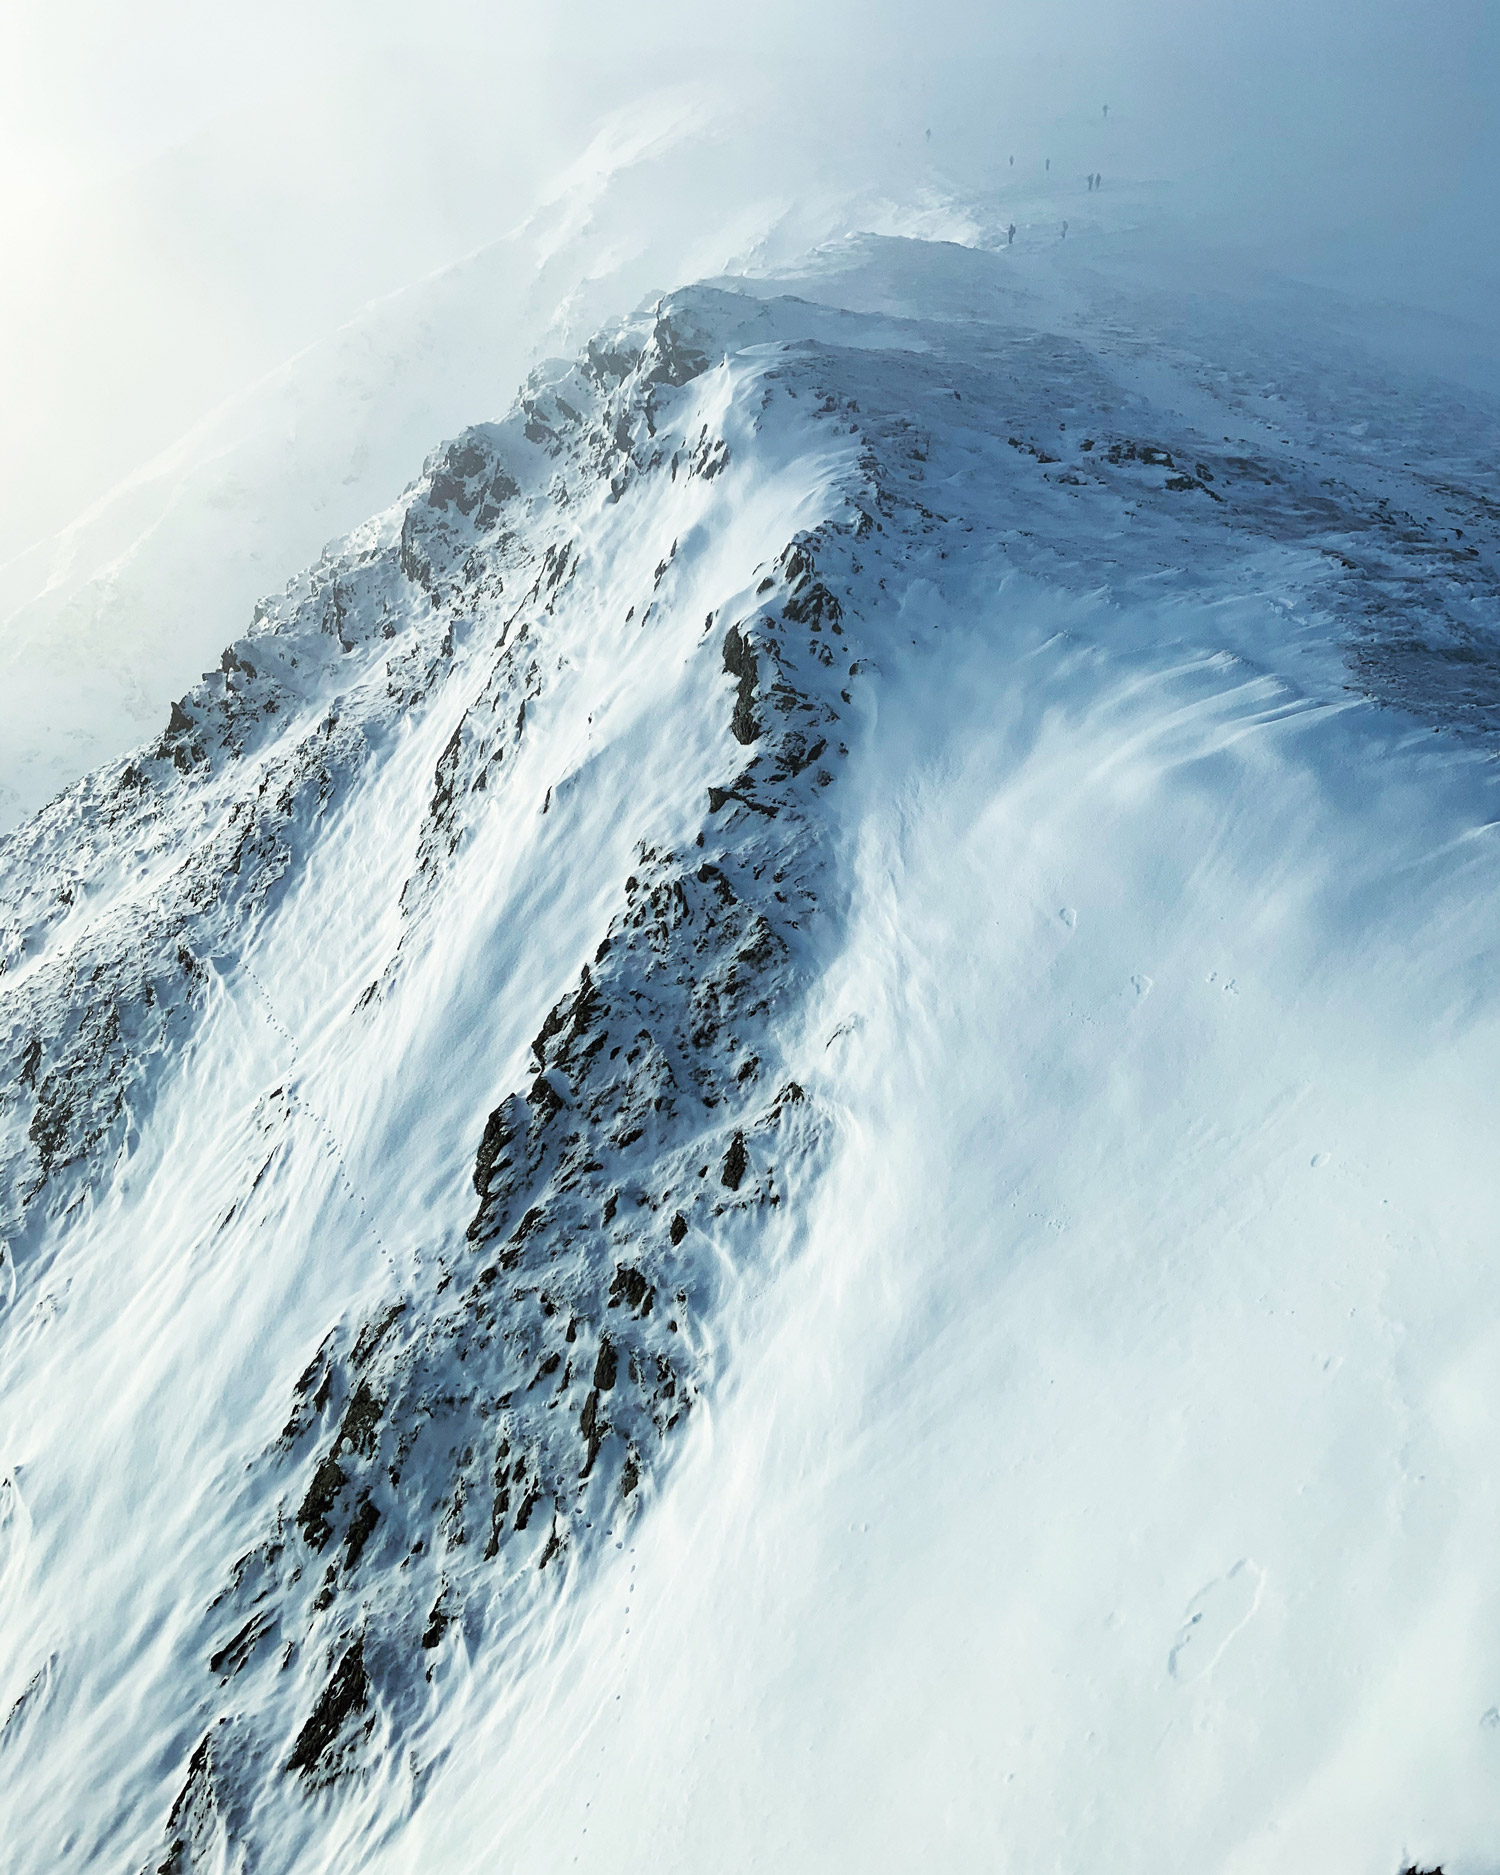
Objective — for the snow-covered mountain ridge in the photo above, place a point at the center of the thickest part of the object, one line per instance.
(420, 1082)
(456, 604)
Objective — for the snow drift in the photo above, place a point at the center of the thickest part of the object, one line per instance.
(766, 1137)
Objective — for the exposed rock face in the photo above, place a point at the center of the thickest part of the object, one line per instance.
(539, 1374)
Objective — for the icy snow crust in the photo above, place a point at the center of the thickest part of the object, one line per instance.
(768, 1140)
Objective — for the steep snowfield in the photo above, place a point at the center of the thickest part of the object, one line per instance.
(1113, 1484)
(767, 1143)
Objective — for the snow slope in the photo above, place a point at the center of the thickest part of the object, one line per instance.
(764, 1144)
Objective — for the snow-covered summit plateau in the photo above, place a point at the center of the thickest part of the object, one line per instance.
(769, 1140)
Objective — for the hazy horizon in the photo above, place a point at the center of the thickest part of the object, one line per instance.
(194, 194)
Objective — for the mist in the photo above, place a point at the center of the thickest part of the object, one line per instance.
(198, 197)
(193, 193)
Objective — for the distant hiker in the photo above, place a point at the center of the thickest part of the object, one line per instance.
(929, 136)
(1012, 162)
(1010, 235)
(1090, 180)
(1106, 112)
(1049, 162)
(1098, 180)
(1065, 231)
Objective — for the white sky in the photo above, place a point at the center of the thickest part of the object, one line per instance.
(194, 189)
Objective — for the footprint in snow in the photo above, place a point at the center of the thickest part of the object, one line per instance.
(1069, 917)
(1214, 1616)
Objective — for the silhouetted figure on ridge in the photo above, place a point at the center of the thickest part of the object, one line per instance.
(1010, 235)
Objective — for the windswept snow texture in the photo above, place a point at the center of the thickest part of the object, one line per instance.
(768, 1141)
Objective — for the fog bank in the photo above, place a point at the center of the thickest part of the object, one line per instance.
(259, 261)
